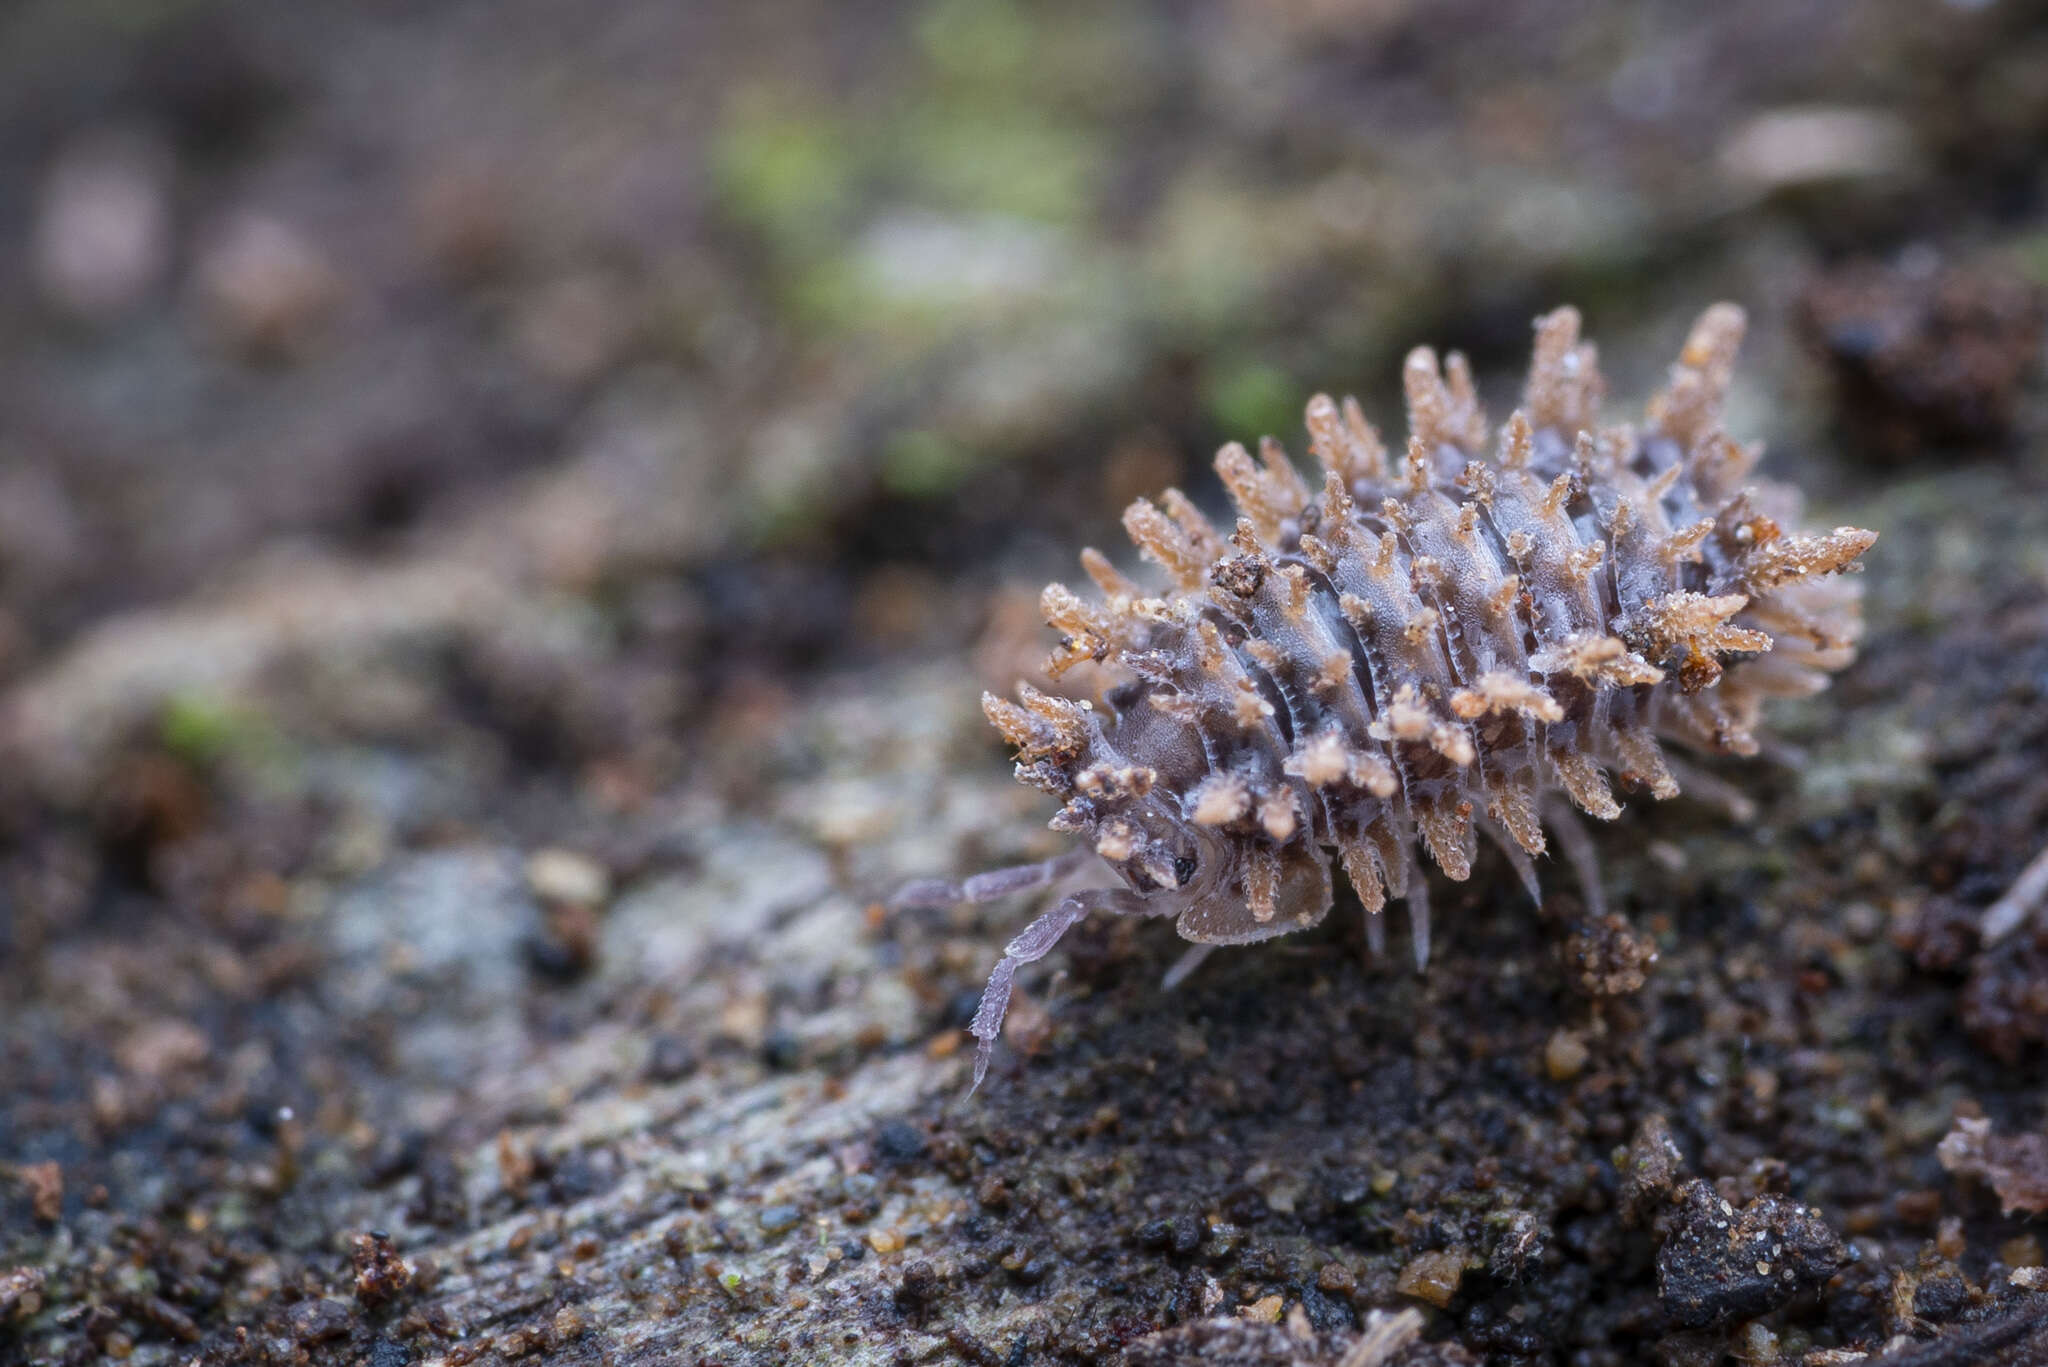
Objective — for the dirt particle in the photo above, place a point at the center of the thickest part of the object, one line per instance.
(380, 1273)
(1518, 1249)
(1651, 1167)
(2023, 1251)
(1027, 1268)
(898, 1143)
(885, 1240)
(1713, 1270)
(2005, 1003)
(782, 1050)
(1180, 1235)
(1224, 1241)
(1432, 1277)
(2015, 1166)
(919, 1289)
(516, 1166)
(21, 1293)
(518, 1343)
(161, 1048)
(441, 1200)
(671, 1059)
(1605, 957)
(563, 876)
(1565, 1056)
(1940, 1291)
(1336, 1280)
(563, 945)
(169, 1318)
(1917, 1208)
(1265, 1310)
(318, 1321)
(44, 1183)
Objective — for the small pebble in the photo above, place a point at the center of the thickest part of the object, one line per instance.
(1565, 1056)
(899, 1142)
(671, 1059)
(557, 875)
(1265, 1310)
(1336, 1280)
(1432, 1277)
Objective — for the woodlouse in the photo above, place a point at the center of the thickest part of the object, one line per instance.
(1420, 653)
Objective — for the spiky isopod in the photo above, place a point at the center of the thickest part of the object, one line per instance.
(1418, 653)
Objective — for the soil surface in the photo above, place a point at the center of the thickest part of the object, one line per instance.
(505, 518)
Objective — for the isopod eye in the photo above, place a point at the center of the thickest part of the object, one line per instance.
(1184, 869)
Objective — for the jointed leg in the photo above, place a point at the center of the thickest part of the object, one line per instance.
(1032, 945)
(1697, 783)
(1376, 933)
(1518, 859)
(1418, 912)
(1578, 850)
(987, 887)
(1184, 966)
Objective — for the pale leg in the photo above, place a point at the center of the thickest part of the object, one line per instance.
(1033, 944)
(987, 887)
(1184, 967)
(1697, 783)
(1518, 859)
(1578, 850)
(1418, 913)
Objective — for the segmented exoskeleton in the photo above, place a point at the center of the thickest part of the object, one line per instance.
(1417, 653)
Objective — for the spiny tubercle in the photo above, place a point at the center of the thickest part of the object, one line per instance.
(1418, 651)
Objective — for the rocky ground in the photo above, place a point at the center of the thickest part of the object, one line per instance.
(503, 527)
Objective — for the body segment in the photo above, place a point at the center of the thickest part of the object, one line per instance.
(1407, 655)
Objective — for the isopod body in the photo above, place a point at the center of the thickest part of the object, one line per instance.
(1409, 655)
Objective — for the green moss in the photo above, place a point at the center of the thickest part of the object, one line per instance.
(201, 728)
(206, 729)
(1249, 399)
(924, 464)
(787, 172)
(979, 42)
(829, 295)
(998, 159)
(2031, 252)
(1212, 252)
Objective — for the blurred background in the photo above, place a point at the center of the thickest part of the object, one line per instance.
(856, 297)
(463, 462)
